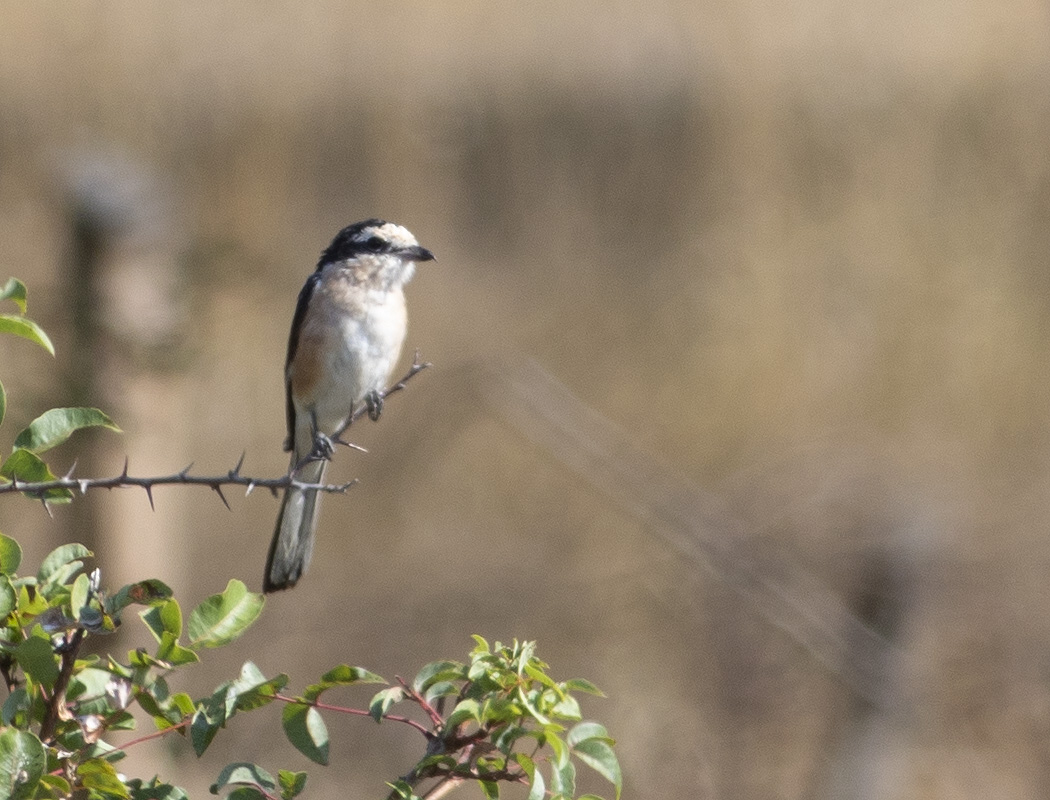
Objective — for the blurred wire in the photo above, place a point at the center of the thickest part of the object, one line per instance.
(694, 523)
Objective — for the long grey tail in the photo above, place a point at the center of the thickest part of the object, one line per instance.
(293, 538)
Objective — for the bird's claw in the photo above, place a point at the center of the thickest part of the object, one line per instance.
(374, 404)
(323, 447)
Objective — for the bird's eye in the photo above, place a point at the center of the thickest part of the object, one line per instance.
(374, 244)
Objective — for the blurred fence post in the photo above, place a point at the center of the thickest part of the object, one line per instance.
(127, 301)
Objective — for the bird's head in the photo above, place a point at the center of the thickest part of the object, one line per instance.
(376, 250)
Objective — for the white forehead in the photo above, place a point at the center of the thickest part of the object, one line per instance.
(391, 232)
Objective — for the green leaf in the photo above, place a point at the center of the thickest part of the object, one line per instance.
(244, 774)
(222, 618)
(78, 596)
(61, 563)
(490, 789)
(246, 793)
(55, 786)
(27, 329)
(93, 688)
(16, 707)
(403, 790)
(22, 763)
(121, 722)
(144, 593)
(441, 689)
(588, 730)
(100, 775)
(340, 676)
(29, 468)
(345, 676)
(10, 555)
(202, 731)
(383, 700)
(163, 618)
(438, 671)
(507, 737)
(599, 756)
(15, 291)
(563, 779)
(140, 658)
(183, 702)
(252, 690)
(542, 677)
(537, 788)
(306, 730)
(8, 598)
(292, 783)
(37, 659)
(567, 708)
(53, 427)
(467, 709)
(173, 653)
(155, 790)
(438, 759)
(582, 685)
(30, 601)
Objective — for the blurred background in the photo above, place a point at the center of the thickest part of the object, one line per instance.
(739, 402)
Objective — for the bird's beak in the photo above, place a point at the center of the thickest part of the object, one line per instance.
(417, 253)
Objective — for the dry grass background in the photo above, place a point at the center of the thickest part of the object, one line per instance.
(795, 251)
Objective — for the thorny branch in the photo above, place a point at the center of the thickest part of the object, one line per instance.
(417, 367)
(39, 489)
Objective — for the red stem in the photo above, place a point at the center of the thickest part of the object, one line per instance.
(357, 712)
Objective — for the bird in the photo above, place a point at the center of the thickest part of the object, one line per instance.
(346, 337)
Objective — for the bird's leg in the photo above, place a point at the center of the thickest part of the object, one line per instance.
(374, 403)
(323, 447)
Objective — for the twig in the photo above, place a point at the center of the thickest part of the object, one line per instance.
(5, 670)
(445, 786)
(435, 718)
(157, 734)
(417, 367)
(39, 489)
(58, 695)
(357, 712)
(182, 478)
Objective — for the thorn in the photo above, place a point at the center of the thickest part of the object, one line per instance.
(351, 445)
(149, 494)
(218, 491)
(251, 487)
(124, 474)
(186, 470)
(240, 463)
(83, 483)
(47, 508)
(69, 475)
(273, 491)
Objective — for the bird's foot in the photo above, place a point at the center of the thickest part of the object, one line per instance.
(323, 448)
(374, 404)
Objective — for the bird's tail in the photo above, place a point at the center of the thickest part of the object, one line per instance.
(293, 538)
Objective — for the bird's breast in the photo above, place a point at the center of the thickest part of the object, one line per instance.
(348, 346)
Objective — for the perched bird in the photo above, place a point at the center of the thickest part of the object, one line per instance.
(346, 337)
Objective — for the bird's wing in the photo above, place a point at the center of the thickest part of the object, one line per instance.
(293, 343)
